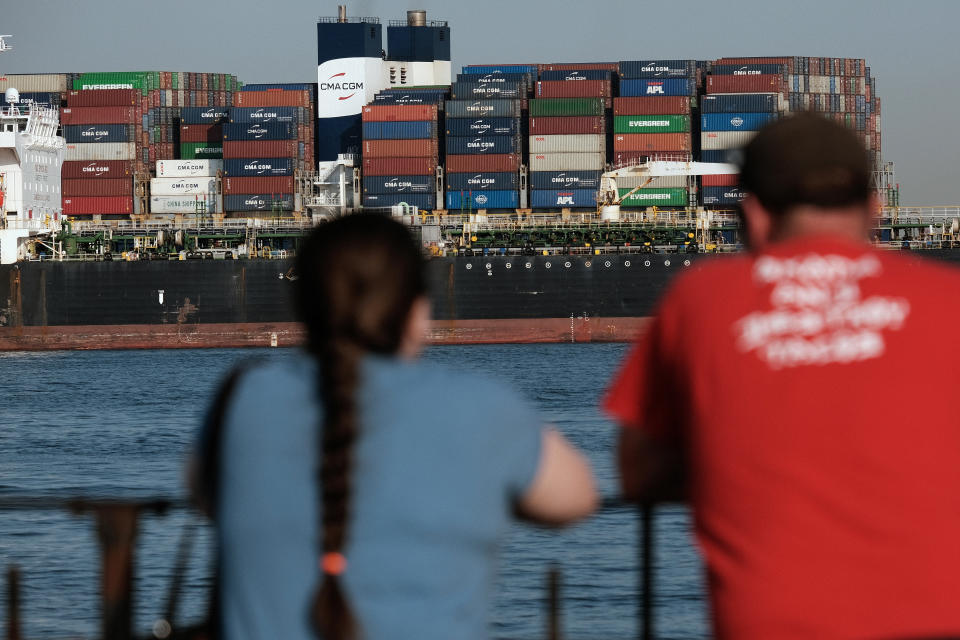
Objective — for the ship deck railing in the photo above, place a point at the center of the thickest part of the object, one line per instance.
(117, 522)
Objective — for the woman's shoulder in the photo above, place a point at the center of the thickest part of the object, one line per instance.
(438, 378)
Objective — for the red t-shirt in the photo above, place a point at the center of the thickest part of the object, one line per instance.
(814, 388)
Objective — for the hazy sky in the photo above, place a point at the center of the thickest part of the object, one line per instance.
(911, 47)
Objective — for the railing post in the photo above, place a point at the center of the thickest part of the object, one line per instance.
(553, 603)
(13, 604)
(646, 571)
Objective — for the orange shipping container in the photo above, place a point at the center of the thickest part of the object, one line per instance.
(421, 148)
(257, 185)
(765, 83)
(260, 149)
(399, 166)
(277, 98)
(399, 112)
(652, 142)
(654, 106)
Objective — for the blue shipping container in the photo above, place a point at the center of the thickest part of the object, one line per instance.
(204, 115)
(266, 114)
(563, 198)
(484, 144)
(735, 121)
(264, 167)
(483, 181)
(483, 199)
(398, 184)
(96, 133)
(483, 127)
(399, 130)
(260, 131)
(748, 69)
(409, 98)
(489, 90)
(43, 98)
(720, 155)
(646, 87)
(658, 69)
(740, 103)
(501, 68)
(547, 180)
(426, 201)
(483, 108)
(258, 202)
(721, 195)
(583, 74)
(494, 78)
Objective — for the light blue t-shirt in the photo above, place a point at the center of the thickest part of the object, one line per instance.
(440, 459)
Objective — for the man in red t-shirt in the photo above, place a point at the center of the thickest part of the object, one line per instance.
(801, 397)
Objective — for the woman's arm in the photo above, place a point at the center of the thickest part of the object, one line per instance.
(563, 489)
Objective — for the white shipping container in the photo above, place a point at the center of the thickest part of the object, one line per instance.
(188, 168)
(182, 186)
(101, 151)
(658, 182)
(35, 82)
(567, 143)
(567, 161)
(182, 204)
(714, 140)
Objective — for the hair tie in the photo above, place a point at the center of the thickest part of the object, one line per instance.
(333, 563)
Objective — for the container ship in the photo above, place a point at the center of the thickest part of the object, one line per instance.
(555, 201)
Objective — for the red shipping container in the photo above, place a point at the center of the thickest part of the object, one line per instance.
(201, 133)
(97, 187)
(764, 83)
(399, 112)
(399, 166)
(98, 115)
(420, 148)
(567, 125)
(281, 184)
(725, 180)
(96, 169)
(652, 141)
(500, 162)
(578, 89)
(581, 66)
(655, 106)
(276, 98)
(92, 206)
(785, 61)
(621, 158)
(260, 149)
(103, 98)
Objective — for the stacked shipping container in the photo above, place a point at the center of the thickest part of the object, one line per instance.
(185, 187)
(568, 152)
(401, 149)
(484, 137)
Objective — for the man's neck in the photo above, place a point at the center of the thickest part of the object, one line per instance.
(851, 224)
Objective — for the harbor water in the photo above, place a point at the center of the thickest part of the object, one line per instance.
(120, 424)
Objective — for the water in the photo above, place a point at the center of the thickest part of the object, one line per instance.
(120, 424)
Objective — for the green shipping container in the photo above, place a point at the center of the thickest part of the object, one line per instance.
(111, 80)
(566, 107)
(200, 150)
(651, 124)
(663, 197)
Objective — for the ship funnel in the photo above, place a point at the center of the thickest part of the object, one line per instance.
(417, 18)
(341, 13)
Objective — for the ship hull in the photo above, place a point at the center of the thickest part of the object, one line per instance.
(237, 303)
(247, 303)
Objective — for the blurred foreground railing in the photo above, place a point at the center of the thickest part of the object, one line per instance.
(117, 523)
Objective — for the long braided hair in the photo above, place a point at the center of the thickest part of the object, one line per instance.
(358, 277)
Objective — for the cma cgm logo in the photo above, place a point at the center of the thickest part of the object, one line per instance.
(258, 167)
(746, 71)
(490, 77)
(479, 180)
(480, 126)
(332, 84)
(654, 88)
(95, 133)
(95, 168)
(257, 131)
(399, 185)
(575, 76)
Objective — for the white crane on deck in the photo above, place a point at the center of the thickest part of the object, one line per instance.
(609, 198)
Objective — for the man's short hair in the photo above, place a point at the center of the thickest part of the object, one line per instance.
(806, 159)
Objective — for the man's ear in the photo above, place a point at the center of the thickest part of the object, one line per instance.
(757, 222)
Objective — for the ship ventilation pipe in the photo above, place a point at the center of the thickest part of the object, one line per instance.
(341, 13)
(417, 18)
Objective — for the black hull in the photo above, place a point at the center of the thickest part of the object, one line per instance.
(241, 302)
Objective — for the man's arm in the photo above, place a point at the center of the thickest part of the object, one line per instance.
(651, 469)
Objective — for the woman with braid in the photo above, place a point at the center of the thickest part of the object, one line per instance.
(349, 503)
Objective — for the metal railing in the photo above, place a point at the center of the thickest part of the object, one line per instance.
(117, 524)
